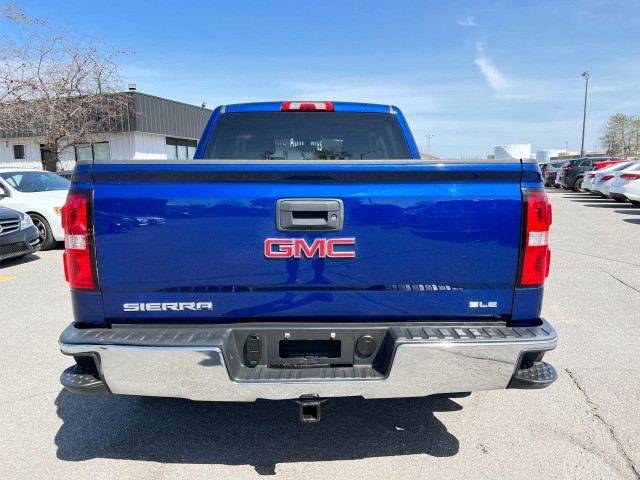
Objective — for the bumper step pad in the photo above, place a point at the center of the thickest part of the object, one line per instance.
(538, 375)
(79, 379)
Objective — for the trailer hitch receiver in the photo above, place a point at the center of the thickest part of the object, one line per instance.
(310, 408)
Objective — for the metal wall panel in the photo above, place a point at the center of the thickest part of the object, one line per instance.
(168, 117)
(152, 115)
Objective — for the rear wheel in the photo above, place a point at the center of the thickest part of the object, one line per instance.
(618, 199)
(635, 202)
(577, 186)
(47, 242)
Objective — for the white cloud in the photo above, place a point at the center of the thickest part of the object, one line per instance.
(467, 22)
(495, 77)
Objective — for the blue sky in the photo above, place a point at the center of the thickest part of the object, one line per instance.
(472, 73)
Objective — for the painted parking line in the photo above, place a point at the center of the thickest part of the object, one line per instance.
(4, 279)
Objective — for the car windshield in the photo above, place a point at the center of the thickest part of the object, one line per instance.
(35, 181)
(307, 136)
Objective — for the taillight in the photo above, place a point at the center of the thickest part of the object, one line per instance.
(591, 175)
(78, 242)
(566, 169)
(606, 178)
(630, 176)
(535, 255)
(320, 106)
(552, 174)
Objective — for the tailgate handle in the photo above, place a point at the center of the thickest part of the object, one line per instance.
(309, 214)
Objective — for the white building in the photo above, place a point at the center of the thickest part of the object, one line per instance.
(544, 156)
(161, 129)
(512, 151)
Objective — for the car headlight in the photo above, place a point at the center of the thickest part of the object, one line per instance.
(26, 222)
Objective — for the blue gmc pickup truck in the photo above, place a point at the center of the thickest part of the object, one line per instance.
(306, 252)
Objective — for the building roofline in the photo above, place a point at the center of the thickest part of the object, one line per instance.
(135, 92)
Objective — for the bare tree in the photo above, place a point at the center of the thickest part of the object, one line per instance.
(634, 136)
(621, 135)
(61, 88)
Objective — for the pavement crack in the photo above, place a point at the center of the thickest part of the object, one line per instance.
(28, 397)
(596, 256)
(621, 281)
(593, 408)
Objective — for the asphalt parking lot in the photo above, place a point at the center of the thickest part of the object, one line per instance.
(586, 425)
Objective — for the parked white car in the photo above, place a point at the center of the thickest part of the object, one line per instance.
(587, 180)
(41, 195)
(626, 185)
(603, 179)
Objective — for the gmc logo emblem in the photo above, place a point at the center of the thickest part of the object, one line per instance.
(297, 247)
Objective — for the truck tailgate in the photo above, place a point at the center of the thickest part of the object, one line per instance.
(434, 241)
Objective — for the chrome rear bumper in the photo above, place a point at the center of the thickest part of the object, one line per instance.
(201, 363)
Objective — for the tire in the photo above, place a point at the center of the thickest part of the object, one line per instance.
(635, 202)
(577, 185)
(47, 242)
(618, 199)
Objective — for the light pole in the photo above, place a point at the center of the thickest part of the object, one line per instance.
(429, 136)
(585, 74)
(566, 143)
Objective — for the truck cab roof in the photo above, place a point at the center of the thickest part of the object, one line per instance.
(337, 107)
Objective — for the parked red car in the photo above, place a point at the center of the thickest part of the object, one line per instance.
(601, 165)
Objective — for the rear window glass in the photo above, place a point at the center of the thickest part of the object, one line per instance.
(626, 166)
(307, 136)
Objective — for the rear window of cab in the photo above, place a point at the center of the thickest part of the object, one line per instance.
(307, 136)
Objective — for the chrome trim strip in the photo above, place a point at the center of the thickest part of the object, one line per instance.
(9, 225)
(223, 108)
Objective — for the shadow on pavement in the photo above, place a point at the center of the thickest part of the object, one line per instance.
(582, 195)
(632, 220)
(612, 204)
(261, 434)
(588, 199)
(12, 262)
(629, 212)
